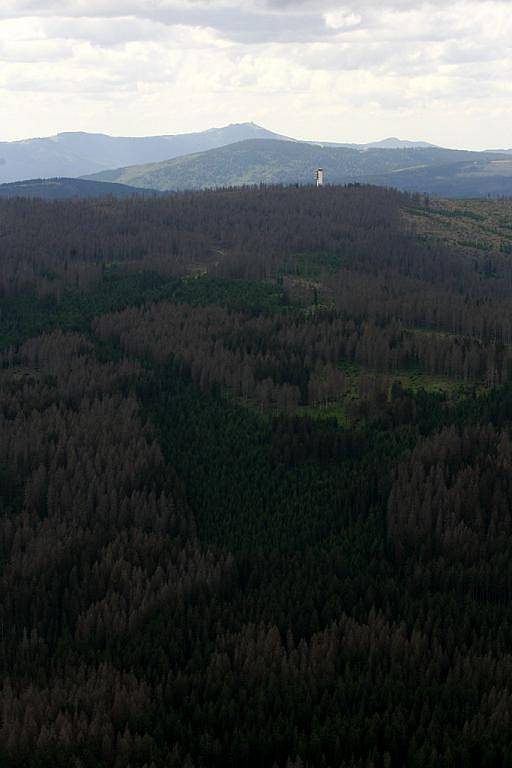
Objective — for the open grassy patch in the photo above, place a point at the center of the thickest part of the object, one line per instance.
(337, 411)
(480, 225)
(416, 380)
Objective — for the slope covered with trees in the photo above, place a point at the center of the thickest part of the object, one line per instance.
(59, 189)
(255, 480)
(434, 170)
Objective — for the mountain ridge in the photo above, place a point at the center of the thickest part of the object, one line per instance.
(391, 142)
(73, 154)
(273, 162)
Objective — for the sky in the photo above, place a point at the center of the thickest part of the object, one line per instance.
(313, 69)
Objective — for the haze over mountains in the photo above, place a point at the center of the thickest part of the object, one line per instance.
(391, 143)
(238, 154)
(78, 154)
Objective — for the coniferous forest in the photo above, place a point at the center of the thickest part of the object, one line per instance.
(256, 481)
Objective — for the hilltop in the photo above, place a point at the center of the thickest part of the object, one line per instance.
(60, 189)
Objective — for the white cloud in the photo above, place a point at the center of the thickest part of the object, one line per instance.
(334, 70)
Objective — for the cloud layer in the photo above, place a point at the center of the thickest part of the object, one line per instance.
(349, 71)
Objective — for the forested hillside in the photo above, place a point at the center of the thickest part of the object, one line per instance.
(427, 169)
(255, 481)
(60, 189)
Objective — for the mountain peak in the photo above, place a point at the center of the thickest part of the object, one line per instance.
(79, 153)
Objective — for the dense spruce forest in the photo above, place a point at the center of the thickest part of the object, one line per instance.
(256, 481)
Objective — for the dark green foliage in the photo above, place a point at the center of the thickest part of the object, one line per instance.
(250, 488)
(310, 265)
(29, 315)
(240, 295)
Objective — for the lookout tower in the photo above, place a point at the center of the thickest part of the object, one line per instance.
(319, 177)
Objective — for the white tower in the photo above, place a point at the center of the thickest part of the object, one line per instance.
(320, 177)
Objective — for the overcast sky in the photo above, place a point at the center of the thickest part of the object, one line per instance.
(343, 71)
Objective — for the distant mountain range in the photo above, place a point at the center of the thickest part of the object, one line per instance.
(491, 175)
(79, 154)
(425, 169)
(243, 153)
(391, 143)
